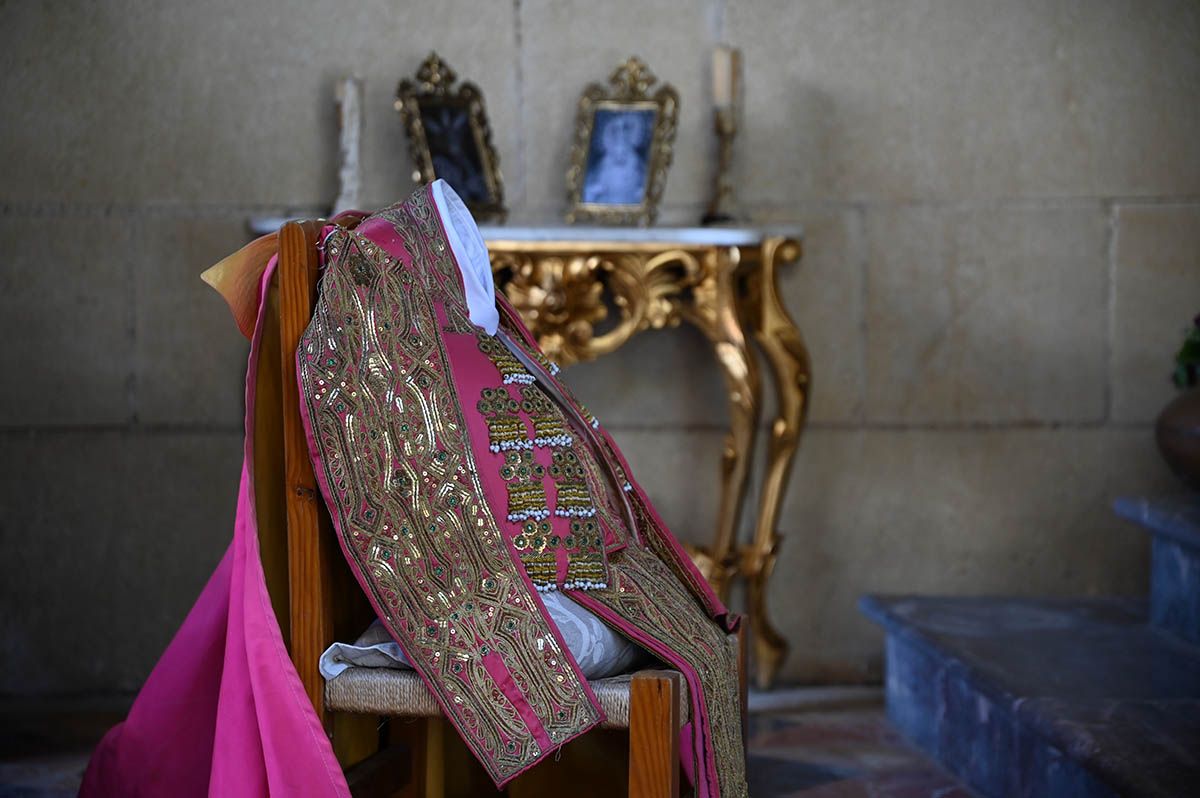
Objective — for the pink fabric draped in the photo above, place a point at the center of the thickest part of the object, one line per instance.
(223, 713)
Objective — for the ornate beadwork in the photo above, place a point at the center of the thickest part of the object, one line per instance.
(574, 500)
(511, 369)
(549, 425)
(526, 493)
(532, 544)
(588, 570)
(506, 430)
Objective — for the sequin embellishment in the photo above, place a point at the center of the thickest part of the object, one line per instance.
(549, 426)
(574, 499)
(511, 369)
(506, 431)
(526, 494)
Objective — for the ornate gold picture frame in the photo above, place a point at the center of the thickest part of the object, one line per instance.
(624, 139)
(449, 136)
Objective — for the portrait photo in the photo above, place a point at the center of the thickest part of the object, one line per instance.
(454, 150)
(450, 137)
(618, 156)
(624, 132)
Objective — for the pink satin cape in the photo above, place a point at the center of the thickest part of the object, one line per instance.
(223, 713)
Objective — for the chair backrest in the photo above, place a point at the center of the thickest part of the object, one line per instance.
(313, 592)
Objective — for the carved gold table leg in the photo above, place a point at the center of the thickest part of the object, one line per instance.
(559, 289)
(787, 358)
(715, 312)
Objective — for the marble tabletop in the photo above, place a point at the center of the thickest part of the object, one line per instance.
(728, 236)
(718, 235)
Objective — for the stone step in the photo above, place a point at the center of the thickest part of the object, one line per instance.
(1067, 698)
(1174, 560)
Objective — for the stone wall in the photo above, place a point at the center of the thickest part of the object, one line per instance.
(1002, 205)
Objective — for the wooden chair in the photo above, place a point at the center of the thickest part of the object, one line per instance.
(318, 602)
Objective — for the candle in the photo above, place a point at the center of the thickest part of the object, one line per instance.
(349, 98)
(725, 64)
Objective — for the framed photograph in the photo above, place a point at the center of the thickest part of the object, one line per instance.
(622, 149)
(449, 136)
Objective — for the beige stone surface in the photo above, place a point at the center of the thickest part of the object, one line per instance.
(986, 314)
(824, 293)
(659, 378)
(571, 43)
(1156, 296)
(65, 320)
(108, 539)
(227, 102)
(968, 99)
(679, 470)
(951, 512)
(190, 358)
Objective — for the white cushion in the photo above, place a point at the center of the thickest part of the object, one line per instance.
(599, 650)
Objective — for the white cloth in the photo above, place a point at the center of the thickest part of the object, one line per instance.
(599, 650)
(470, 251)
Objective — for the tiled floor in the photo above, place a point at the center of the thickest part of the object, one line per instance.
(45, 747)
(819, 743)
(840, 747)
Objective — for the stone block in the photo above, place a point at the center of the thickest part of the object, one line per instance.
(229, 102)
(680, 470)
(856, 101)
(915, 679)
(108, 539)
(1071, 697)
(567, 45)
(1174, 524)
(1008, 511)
(65, 319)
(660, 378)
(1156, 295)
(986, 314)
(824, 292)
(191, 359)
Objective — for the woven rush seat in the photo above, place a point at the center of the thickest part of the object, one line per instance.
(388, 691)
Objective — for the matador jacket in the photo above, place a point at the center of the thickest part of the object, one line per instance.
(464, 480)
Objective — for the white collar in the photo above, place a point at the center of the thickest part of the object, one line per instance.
(471, 255)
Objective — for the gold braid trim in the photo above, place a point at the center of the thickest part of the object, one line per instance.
(644, 592)
(403, 487)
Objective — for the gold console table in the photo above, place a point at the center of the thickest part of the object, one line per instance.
(724, 282)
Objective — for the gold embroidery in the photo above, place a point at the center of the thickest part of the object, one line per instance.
(653, 591)
(645, 593)
(511, 369)
(588, 569)
(407, 500)
(526, 494)
(549, 425)
(506, 431)
(586, 563)
(531, 544)
(574, 500)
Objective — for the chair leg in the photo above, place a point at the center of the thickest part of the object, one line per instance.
(654, 735)
(433, 758)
